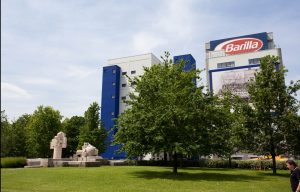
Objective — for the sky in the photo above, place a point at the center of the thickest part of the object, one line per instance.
(53, 51)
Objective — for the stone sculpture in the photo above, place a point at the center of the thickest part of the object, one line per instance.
(87, 153)
(57, 143)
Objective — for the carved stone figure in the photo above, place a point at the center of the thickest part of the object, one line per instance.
(57, 143)
(87, 150)
(87, 153)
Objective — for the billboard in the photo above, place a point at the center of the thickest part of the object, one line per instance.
(232, 79)
(241, 44)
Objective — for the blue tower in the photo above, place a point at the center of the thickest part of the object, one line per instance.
(110, 108)
(190, 62)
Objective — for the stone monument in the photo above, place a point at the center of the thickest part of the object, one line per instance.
(88, 153)
(57, 143)
(86, 157)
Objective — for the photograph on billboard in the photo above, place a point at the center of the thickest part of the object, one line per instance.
(234, 80)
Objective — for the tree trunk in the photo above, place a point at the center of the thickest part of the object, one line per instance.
(165, 158)
(273, 158)
(175, 165)
(274, 163)
(229, 161)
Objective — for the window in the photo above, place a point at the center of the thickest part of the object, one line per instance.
(112, 96)
(226, 64)
(124, 98)
(254, 61)
(124, 85)
(114, 71)
(124, 73)
(133, 72)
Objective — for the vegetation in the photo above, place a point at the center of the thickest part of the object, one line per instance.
(215, 163)
(30, 135)
(19, 135)
(5, 135)
(13, 162)
(229, 135)
(71, 127)
(274, 115)
(138, 178)
(44, 124)
(93, 131)
(168, 114)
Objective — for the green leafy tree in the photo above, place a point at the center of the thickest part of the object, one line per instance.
(18, 135)
(274, 112)
(44, 124)
(292, 135)
(6, 147)
(93, 131)
(229, 119)
(235, 136)
(71, 127)
(165, 114)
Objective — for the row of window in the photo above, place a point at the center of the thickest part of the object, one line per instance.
(131, 72)
(226, 64)
(254, 61)
(124, 84)
(124, 73)
(123, 98)
(219, 65)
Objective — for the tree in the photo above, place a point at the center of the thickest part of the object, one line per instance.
(93, 131)
(44, 124)
(18, 135)
(5, 135)
(71, 127)
(164, 113)
(229, 119)
(274, 108)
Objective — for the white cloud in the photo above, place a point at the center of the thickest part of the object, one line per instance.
(10, 91)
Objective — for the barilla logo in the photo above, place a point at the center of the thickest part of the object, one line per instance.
(241, 45)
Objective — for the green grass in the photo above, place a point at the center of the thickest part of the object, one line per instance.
(136, 178)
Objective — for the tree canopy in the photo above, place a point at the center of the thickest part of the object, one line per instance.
(93, 131)
(44, 124)
(167, 113)
(71, 127)
(274, 112)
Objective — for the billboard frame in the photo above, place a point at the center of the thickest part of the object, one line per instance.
(227, 69)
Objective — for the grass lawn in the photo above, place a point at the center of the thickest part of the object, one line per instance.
(136, 178)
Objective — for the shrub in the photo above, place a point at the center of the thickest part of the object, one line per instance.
(215, 163)
(13, 162)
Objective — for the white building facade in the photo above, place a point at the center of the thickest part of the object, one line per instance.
(115, 89)
(131, 67)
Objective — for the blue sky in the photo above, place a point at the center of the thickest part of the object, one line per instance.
(53, 51)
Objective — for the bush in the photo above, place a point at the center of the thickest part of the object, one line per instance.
(13, 162)
(215, 163)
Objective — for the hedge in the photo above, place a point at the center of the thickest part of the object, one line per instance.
(13, 162)
(209, 163)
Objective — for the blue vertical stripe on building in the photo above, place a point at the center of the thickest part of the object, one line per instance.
(110, 108)
(190, 62)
